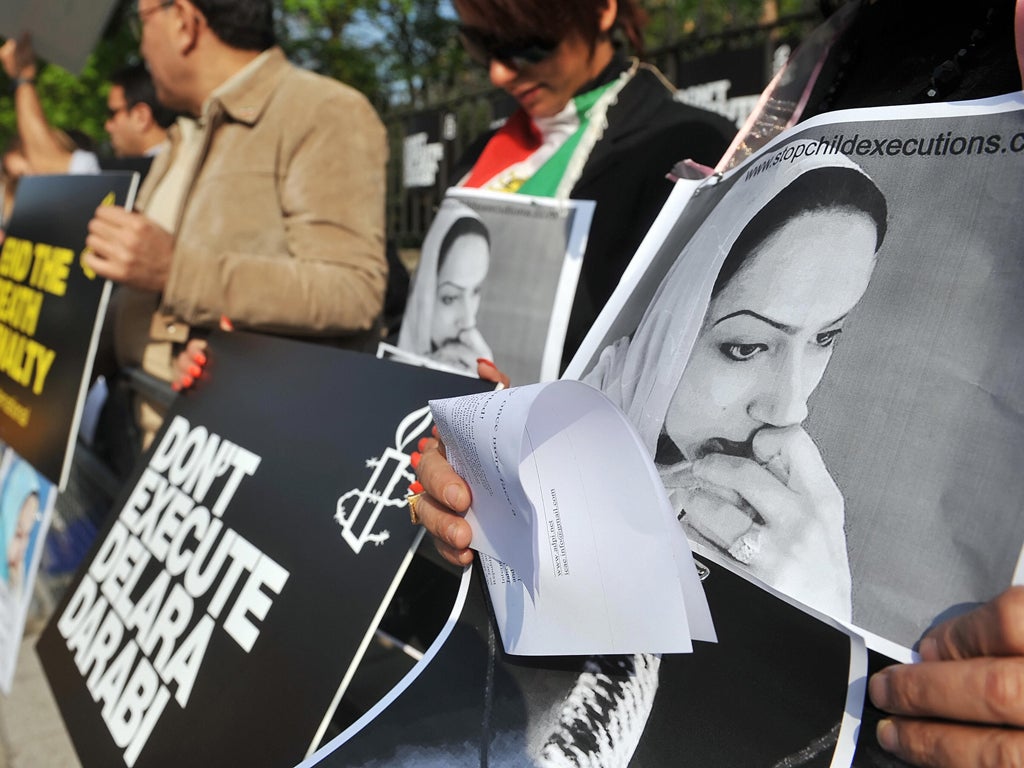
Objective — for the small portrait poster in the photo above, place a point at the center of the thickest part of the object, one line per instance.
(51, 312)
(823, 356)
(26, 507)
(496, 279)
(231, 597)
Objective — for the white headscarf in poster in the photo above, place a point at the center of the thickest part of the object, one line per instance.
(415, 333)
(640, 373)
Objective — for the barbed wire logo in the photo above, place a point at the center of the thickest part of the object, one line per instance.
(385, 488)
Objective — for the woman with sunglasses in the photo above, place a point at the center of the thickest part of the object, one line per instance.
(592, 124)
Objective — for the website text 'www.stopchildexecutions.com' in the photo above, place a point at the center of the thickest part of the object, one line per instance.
(939, 145)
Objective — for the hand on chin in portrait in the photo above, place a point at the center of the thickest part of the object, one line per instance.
(464, 351)
(778, 512)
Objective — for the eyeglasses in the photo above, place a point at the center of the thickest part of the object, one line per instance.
(484, 48)
(136, 21)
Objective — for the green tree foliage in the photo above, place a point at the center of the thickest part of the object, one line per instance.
(419, 51)
(672, 20)
(317, 34)
(395, 51)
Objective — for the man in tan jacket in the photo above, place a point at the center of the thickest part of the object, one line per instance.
(268, 209)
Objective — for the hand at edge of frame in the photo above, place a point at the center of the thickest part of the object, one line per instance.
(963, 704)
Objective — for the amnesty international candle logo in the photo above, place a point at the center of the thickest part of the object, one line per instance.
(136, 654)
(385, 488)
(51, 310)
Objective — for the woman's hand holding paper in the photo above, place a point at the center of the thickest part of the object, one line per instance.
(446, 496)
(444, 502)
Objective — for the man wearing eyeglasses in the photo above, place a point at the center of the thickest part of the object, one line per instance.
(270, 212)
(136, 122)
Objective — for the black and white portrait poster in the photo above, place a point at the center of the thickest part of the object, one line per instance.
(26, 508)
(468, 299)
(226, 606)
(779, 688)
(824, 357)
(51, 311)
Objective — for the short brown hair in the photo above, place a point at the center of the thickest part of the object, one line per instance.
(544, 19)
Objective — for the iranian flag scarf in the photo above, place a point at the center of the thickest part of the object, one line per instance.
(545, 157)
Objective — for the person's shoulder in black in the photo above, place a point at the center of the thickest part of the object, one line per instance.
(647, 111)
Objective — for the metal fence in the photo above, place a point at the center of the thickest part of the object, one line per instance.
(724, 72)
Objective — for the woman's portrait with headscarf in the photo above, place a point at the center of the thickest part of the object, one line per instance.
(24, 498)
(722, 411)
(850, 424)
(19, 517)
(440, 322)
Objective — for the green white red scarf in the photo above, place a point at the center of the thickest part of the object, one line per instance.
(545, 157)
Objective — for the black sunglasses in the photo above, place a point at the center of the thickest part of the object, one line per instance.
(484, 48)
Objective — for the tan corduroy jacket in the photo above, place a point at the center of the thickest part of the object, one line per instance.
(282, 226)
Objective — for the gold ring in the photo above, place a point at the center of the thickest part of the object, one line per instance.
(412, 500)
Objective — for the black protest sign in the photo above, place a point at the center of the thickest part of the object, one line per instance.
(728, 82)
(256, 545)
(775, 690)
(51, 310)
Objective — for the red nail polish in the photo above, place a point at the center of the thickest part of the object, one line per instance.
(485, 361)
(200, 358)
(226, 324)
(187, 381)
(422, 444)
(176, 386)
(414, 459)
(416, 487)
(194, 371)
